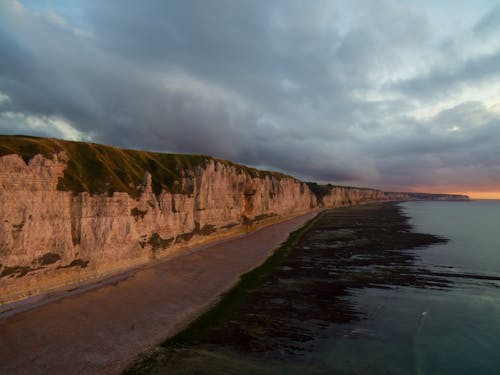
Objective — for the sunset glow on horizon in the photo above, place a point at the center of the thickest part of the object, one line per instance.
(472, 194)
(483, 195)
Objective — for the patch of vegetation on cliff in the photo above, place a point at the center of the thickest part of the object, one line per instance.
(157, 242)
(247, 221)
(101, 169)
(229, 226)
(18, 227)
(104, 169)
(16, 271)
(28, 147)
(137, 213)
(257, 173)
(320, 191)
(76, 263)
(264, 216)
(38, 264)
(48, 258)
(202, 231)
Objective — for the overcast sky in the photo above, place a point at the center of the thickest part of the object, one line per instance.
(398, 95)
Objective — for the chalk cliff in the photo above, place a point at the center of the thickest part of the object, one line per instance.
(72, 212)
(432, 197)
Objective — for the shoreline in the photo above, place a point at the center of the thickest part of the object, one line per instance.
(21, 302)
(125, 314)
(66, 290)
(302, 300)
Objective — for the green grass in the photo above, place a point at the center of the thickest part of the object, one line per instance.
(27, 147)
(99, 169)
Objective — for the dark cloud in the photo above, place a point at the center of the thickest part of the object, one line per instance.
(329, 91)
(454, 147)
(444, 80)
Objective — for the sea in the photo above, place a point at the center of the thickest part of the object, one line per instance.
(431, 331)
(453, 330)
(449, 331)
(443, 321)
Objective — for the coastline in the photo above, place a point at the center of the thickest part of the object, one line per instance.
(124, 315)
(78, 287)
(270, 327)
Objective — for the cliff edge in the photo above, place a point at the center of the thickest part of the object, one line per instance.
(74, 211)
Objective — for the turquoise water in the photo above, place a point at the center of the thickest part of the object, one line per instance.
(433, 331)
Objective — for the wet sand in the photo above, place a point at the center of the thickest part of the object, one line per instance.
(101, 328)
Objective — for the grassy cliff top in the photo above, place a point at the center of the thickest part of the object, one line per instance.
(97, 169)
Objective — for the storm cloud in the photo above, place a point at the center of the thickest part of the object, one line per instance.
(386, 94)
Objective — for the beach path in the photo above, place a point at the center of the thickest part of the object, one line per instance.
(100, 329)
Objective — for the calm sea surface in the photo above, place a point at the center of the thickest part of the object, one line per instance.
(431, 331)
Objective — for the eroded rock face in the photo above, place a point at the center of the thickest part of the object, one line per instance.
(344, 196)
(50, 238)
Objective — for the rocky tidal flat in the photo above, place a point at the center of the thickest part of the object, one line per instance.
(304, 299)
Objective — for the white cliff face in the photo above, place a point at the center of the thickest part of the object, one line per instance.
(344, 196)
(50, 238)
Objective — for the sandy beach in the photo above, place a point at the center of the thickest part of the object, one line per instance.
(99, 329)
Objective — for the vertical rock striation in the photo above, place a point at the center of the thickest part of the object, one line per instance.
(52, 236)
